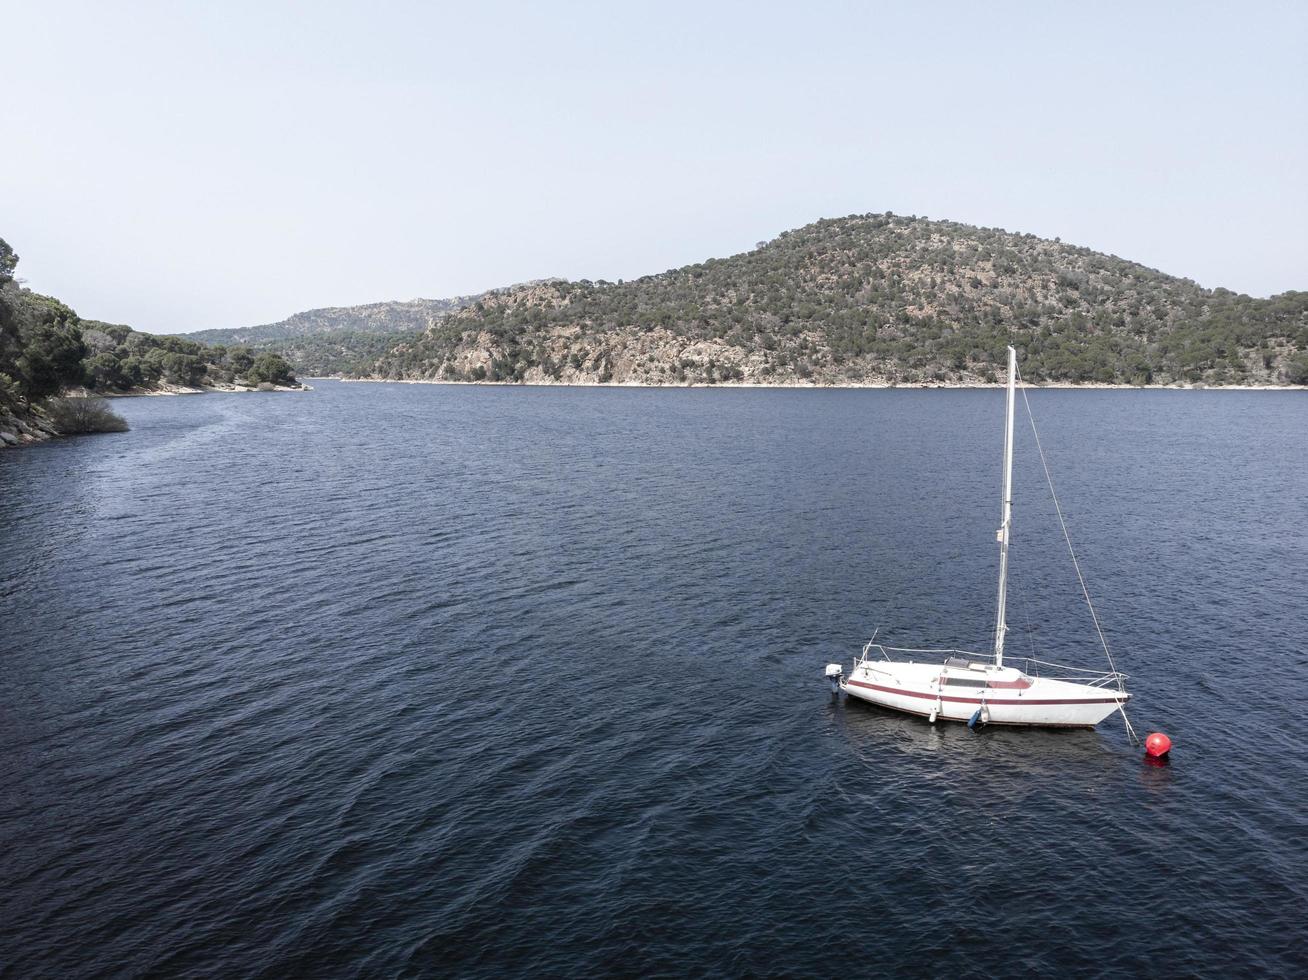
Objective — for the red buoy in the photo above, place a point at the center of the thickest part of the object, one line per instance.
(1158, 745)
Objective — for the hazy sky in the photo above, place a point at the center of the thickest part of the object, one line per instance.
(180, 166)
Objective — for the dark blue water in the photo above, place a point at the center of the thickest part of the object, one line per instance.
(411, 680)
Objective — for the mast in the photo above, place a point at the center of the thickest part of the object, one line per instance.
(1001, 624)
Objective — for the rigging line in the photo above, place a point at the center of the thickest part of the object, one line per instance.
(1058, 509)
(1130, 730)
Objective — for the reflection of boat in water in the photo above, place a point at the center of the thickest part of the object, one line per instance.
(960, 686)
(897, 742)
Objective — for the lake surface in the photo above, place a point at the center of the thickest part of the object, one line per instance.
(396, 679)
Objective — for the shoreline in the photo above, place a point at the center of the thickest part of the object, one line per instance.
(33, 427)
(170, 390)
(953, 386)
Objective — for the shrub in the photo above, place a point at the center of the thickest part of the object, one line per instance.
(1296, 372)
(73, 415)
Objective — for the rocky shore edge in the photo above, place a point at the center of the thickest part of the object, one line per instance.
(23, 430)
(33, 426)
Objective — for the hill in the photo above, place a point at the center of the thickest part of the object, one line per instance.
(343, 339)
(372, 318)
(870, 299)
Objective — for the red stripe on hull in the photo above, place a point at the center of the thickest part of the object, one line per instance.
(989, 701)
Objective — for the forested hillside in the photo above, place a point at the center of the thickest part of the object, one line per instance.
(343, 352)
(343, 339)
(46, 349)
(872, 299)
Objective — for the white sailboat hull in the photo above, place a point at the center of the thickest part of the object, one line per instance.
(1007, 696)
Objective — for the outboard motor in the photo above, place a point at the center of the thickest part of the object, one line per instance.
(835, 674)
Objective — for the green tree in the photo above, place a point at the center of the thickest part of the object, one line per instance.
(8, 261)
(183, 369)
(51, 359)
(239, 360)
(269, 368)
(105, 370)
(10, 347)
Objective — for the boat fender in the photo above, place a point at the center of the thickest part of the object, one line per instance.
(976, 717)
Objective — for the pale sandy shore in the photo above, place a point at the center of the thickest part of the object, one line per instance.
(168, 389)
(875, 387)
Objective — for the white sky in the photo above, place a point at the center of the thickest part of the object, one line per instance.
(181, 166)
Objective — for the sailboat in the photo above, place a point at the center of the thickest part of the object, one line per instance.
(956, 685)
